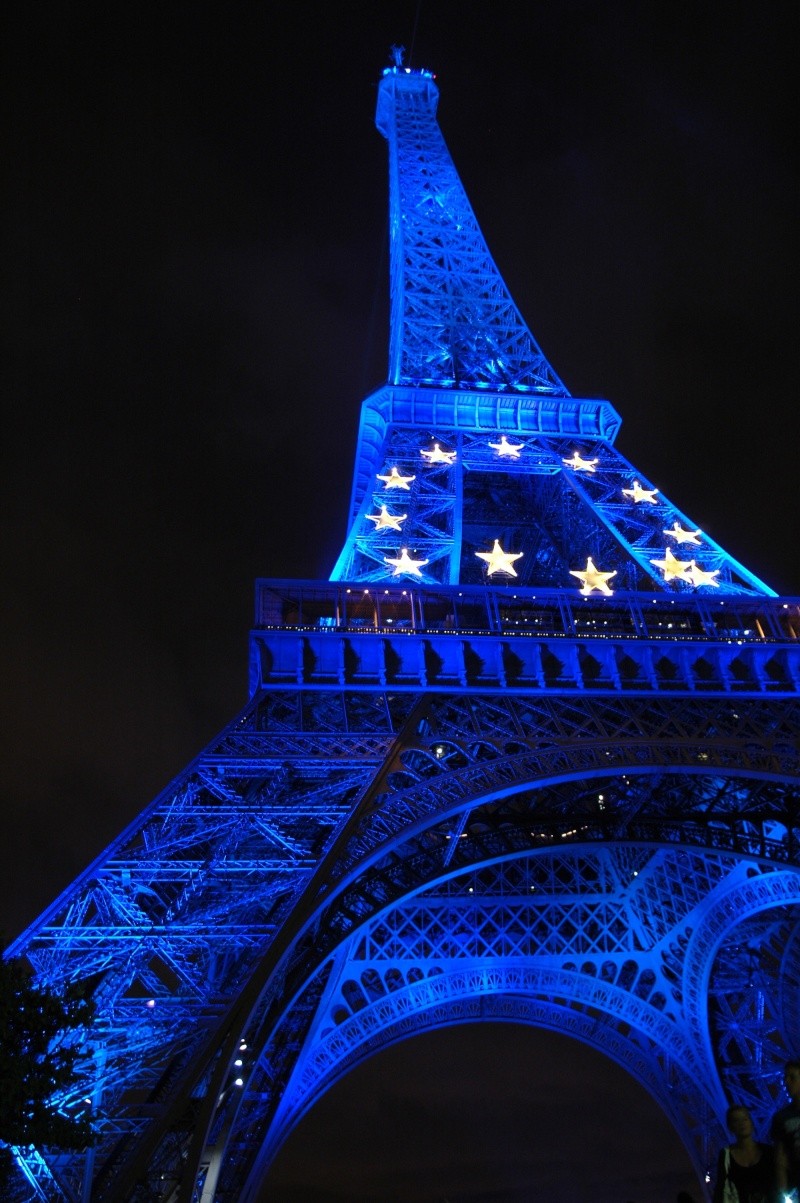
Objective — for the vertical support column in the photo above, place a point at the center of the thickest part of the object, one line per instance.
(458, 515)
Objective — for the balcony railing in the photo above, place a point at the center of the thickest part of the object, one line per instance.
(552, 613)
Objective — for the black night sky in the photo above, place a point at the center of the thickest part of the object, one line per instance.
(194, 208)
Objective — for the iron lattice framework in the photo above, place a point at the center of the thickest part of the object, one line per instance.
(465, 787)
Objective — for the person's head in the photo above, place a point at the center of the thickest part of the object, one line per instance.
(791, 1080)
(739, 1122)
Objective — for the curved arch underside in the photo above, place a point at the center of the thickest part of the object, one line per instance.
(651, 926)
(618, 866)
(482, 1107)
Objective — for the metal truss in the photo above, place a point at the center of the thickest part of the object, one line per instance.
(445, 480)
(562, 939)
(494, 639)
(561, 858)
(618, 879)
(535, 503)
(168, 924)
(453, 321)
(453, 796)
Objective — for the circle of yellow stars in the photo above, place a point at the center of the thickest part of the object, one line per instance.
(499, 561)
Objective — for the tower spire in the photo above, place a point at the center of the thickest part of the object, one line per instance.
(506, 475)
(453, 323)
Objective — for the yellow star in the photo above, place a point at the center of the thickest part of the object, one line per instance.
(395, 481)
(437, 456)
(405, 564)
(579, 463)
(499, 560)
(677, 570)
(683, 536)
(505, 448)
(386, 521)
(592, 578)
(639, 494)
(698, 577)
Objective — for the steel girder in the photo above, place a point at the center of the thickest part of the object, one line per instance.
(240, 904)
(453, 321)
(534, 503)
(639, 877)
(537, 472)
(529, 941)
(166, 926)
(450, 799)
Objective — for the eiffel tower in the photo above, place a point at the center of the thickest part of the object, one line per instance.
(530, 755)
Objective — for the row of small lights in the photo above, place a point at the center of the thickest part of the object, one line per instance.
(238, 1063)
(655, 601)
(537, 597)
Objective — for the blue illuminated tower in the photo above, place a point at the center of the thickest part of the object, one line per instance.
(530, 755)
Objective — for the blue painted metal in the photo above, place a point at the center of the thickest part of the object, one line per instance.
(465, 373)
(454, 324)
(452, 797)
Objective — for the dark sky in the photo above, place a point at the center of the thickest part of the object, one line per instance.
(489, 1113)
(194, 212)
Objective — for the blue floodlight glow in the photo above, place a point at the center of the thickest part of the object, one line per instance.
(499, 795)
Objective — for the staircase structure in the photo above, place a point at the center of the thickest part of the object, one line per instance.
(530, 755)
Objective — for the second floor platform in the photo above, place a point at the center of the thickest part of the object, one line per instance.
(338, 634)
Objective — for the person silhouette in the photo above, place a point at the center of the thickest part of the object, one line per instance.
(745, 1167)
(785, 1133)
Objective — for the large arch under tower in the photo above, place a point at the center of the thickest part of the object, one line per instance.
(530, 755)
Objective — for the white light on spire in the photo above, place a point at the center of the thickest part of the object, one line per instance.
(683, 536)
(639, 494)
(593, 579)
(674, 569)
(509, 450)
(395, 481)
(404, 564)
(579, 464)
(386, 521)
(499, 560)
(437, 456)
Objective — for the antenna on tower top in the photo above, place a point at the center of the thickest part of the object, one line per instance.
(396, 54)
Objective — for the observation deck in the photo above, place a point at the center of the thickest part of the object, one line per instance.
(346, 635)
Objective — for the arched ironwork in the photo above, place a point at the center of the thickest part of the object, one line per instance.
(530, 755)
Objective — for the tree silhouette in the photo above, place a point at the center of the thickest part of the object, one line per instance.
(39, 1049)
